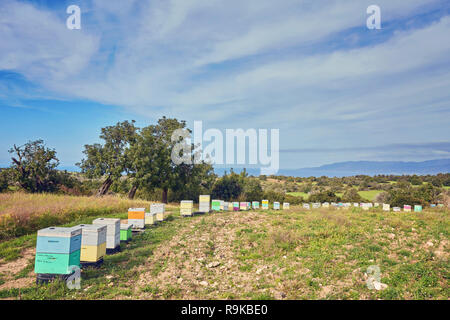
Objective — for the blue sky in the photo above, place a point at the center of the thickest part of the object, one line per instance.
(335, 90)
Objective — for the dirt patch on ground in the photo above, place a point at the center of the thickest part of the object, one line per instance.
(9, 270)
(200, 261)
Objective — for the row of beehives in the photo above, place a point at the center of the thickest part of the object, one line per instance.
(206, 205)
(365, 206)
(59, 249)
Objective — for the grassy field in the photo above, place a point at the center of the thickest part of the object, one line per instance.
(22, 213)
(293, 254)
(367, 195)
(304, 195)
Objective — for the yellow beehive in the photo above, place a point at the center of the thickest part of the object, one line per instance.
(150, 218)
(93, 253)
(160, 216)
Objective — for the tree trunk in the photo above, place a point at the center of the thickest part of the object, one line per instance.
(164, 195)
(132, 192)
(105, 187)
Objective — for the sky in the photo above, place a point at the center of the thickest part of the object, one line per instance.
(336, 90)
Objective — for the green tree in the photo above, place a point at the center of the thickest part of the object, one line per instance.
(150, 163)
(34, 166)
(351, 195)
(415, 180)
(4, 179)
(109, 160)
(252, 189)
(229, 187)
(324, 196)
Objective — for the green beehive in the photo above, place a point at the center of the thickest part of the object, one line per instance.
(125, 232)
(215, 205)
(56, 263)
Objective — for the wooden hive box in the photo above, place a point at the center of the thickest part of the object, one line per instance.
(136, 214)
(186, 212)
(136, 224)
(126, 232)
(157, 208)
(93, 242)
(396, 209)
(204, 203)
(386, 207)
(58, 240)
(243, 206)
(187, 208)
(112, 231)
(417, 208)
(136, 217)
(306, 206)
(215, 205)
(255, 204)
(407, 208)
(56, 263)
(276, 205)
(57, 249)
(150, 218)
(235, 206)
(285, 205)
(265, 204)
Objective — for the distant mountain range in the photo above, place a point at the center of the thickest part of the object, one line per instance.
(371, 168)
(348, 168)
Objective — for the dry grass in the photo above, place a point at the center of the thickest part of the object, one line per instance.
(286, 254)
(22, 213)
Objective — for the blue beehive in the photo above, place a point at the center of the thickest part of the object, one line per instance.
(57, 249)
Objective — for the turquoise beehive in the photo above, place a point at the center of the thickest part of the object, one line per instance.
(57, 250)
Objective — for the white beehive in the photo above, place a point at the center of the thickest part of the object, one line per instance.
(112, 231)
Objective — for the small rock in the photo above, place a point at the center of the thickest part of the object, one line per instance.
(430, 243)
(204, 283)
(391, 236)
(213, 264)
(379, 286)
(180, 280)
(109, 277)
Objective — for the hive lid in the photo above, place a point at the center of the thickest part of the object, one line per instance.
(125, 226)
(95, 228)
(136, 209)
(60, 232)
(106, 221)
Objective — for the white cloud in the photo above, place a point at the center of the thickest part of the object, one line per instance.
(255, 63)
(37, 44)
